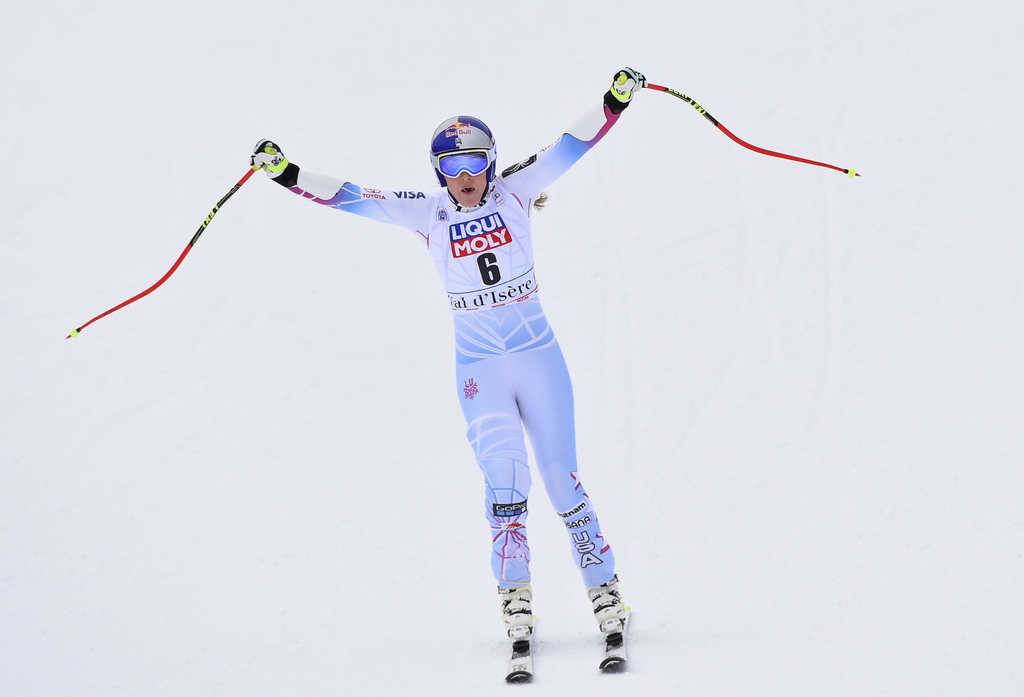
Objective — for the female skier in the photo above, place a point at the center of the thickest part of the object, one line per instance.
(509, 368)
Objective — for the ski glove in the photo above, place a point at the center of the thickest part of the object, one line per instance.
(624, 85)
(267, 156)
(626, 82)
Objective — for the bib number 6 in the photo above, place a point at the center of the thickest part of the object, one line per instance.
(489, 270)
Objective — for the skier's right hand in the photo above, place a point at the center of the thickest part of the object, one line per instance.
(267, 156)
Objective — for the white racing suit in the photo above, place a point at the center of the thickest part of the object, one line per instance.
(509, 367)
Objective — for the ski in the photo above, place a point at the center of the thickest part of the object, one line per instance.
(520, 666)
(614, 658)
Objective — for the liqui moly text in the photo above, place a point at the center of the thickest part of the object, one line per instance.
(478, 235)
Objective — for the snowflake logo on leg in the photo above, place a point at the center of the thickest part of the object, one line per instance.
(471, 390)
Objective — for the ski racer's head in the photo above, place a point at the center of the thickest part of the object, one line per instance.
(464, 153)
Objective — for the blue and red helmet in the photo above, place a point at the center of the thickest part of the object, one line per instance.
(463, 144)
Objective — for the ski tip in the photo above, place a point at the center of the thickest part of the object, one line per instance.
(613, 665)
(519, 677)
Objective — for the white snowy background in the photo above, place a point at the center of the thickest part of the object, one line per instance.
(799, 397)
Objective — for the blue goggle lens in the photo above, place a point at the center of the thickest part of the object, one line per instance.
(455, 164)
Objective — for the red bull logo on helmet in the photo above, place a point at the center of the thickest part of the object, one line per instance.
(457, 130)
(478, 235)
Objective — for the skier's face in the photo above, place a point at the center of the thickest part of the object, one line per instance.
(467, 189)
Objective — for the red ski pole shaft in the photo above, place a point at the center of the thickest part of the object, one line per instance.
(850, 172)
(188, 248)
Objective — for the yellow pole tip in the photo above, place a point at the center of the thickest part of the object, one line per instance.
(74, 332)
(851, 173)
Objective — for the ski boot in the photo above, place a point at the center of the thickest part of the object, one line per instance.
(609, 611)
(516, 611)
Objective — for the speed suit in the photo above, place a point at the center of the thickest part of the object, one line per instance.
(510, 373)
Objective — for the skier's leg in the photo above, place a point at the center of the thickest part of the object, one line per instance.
(545, 399)
(496, 435)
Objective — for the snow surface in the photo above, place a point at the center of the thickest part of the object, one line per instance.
(799, 396)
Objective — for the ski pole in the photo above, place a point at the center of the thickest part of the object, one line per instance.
(848, 172)
(188, 248)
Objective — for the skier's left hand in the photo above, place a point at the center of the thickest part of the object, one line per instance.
(626, 83)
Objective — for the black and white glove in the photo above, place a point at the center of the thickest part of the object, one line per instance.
(625, 84)
(267, 156)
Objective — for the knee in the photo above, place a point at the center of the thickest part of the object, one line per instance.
(567, 494)
(505, 473)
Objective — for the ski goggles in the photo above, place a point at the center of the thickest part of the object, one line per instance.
(473, 162)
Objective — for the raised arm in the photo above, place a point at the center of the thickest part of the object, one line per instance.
(534, 174)
(404, 208)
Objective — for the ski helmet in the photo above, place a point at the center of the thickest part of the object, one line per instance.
(463, 134)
